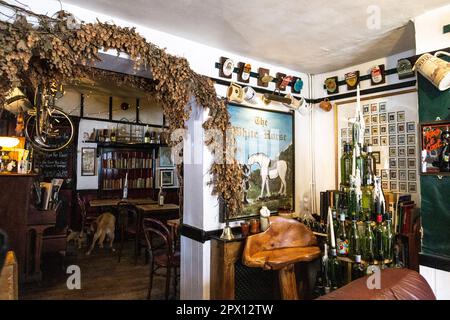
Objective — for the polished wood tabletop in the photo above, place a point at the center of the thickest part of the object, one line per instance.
(157, 208)
(115, 201)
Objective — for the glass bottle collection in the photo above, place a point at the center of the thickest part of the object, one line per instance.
(363, 236)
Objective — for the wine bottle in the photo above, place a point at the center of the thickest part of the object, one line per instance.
(358, 270)
(368, 242)
(112, 137)
(346, 165)
(335, 270)
(354, 241)
(341, 238)
(160, 197)
(147, 135)
(388, 241)
(326, 284)
(360, 163)
(379, 240)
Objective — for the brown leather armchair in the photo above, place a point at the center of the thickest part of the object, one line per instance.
(396, 284)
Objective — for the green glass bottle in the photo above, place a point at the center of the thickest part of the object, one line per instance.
(388, 241)
(335, 270)
(358, 269)
(368, 251)
(325, 270)
(346, 165)
(354, 241)
(341, 238)
(379, 240)
(369, 167)
(360, 162)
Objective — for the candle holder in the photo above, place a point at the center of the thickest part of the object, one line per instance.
(227, 233)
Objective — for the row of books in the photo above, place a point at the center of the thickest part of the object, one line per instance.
(403, 210)
(117, 184)
(126, 160)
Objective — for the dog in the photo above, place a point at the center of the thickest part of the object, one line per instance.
(78, 237)
(106, 225)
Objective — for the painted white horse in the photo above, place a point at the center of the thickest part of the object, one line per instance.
(277, 168)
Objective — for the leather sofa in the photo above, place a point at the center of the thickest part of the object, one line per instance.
(396, 284)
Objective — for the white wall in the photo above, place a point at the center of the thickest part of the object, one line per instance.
(438, 280)
(429, 33)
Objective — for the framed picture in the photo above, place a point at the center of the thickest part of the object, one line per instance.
(432, 140)
(412, 187)
(392, 152)
(374, 108)
(392, 163)
(375, 141)
(88, 160)
(411, 139)
(402, 175)
(402, 187)
(384, 141)
(402, 163)
(165, 158)
(383, 118)
(366, 109)
(391, 117)
(401, 127)
(412, 176)
(259, 152)
(411, 163)
(411, 127)
(385, 185)
(383, 129)
(392, 140)
(367, 131)
(392, 128)
(401, 140)
(393, 174)
(367, 120)
(376, 156)
(382, 106)
(401, 151)
(400, 116)
(167, 177)
(375, 130)
(393, 185)
(374, 119)
(367, 141)
(384, 174)
(411, 151)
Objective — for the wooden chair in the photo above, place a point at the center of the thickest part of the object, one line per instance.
(128, 223)
(283, 244)
(86, 220)
(164, 256)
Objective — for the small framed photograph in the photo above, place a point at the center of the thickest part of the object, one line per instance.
(412, 175)
(344, 133)
(367, 131)
(384, 141)
(374, 119)
(367, 120)
(392, 152)
(401, 151)
(382, 106)
(385, 185)
(402, 187)
(401, 139)
(400, 116)
(401, 163)
(402, 175)
(393, 174)
(392, 163)
(411, 163)
(411, 139)
(167, 177)
(376, 155)
(375, 141)
(165, 157)
(367, 140)
(375, 131)
(383, 118)
(411, 127)
(366, 109)
(384, 174)
(392, 128)
(374, 107)
(401, 127)
(412, 187)
(383, 129)
(411, 151)
(377, 172)
(392, 140)
(88, 160)
(391, 117)
(393, 185)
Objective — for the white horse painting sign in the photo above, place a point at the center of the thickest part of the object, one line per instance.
(265, 150)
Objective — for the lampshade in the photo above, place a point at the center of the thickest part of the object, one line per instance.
(8, 142)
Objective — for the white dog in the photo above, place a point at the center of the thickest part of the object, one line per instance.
(106, 225)
(79, 238)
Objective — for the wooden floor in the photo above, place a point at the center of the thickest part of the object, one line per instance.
(102, 278)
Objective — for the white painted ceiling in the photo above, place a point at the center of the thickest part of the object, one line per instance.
(312, 36)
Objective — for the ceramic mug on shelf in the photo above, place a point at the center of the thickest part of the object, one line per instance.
(325, 105)
(435, 69)
(24, 166)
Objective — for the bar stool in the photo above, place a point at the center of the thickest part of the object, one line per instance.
(284, 243)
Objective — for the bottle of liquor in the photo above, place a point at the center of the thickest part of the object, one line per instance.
(358, 270)
(388, 241)
(147, 135)
(326, 284)
(354, 241)
(379, 240)
(335, 270)
(368, 243)
(125, 187)
(371, 166)
(341, 238)
(160, 197)
(396, 262)
(346, 165)
(113, 136)
(360, 162)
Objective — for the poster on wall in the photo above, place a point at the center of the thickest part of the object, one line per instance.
(265, 151)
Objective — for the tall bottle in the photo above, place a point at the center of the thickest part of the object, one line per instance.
(346, 165)
(368, 251)
(325, 271)
(358, 270)
(354, 241)
(335, 270)
(147, 135)
(388, 241)
(341, 238)
(160, 197)
(379, 240)
(125, 187)
(360, 162)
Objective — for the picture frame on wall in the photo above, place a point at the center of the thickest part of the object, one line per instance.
(383, 118)
(374, 118)
(402, 163)
(411, 139)
(392, 163)
(400, 116)
(393, 174)
(375, 141)
(412, 187)
(402, 175)
(392, 140)
(401, 127)
(384, 174)
(165, 157)
(393, 186)
(411, 151)
(384, 141)
(412, 163)
(375, 130)
(401, 140)
(374, 108)
(391, 117)
(392, 152)
(167, 178)
(385, 185)
(412, 175)
(431, 140)
(392, 129)
(383, 129)
(411, 127)
(382, 107)
(401, 151)
(377, 156)
(402, 187)
(367, 120)
(88, 161)
(366, 109)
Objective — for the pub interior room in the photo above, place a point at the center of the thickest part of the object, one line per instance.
(212, 150)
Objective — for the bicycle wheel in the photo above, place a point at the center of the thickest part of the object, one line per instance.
(60, 137)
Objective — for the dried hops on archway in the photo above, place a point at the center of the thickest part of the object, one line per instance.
(56, 49)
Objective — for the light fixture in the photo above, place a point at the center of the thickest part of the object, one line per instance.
(8, 142)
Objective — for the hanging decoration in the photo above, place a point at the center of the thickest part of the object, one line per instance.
(57, 49)
(377, 75)
(331, 84)
(352, 80)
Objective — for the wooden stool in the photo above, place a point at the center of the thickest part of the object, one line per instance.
(284, 243)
